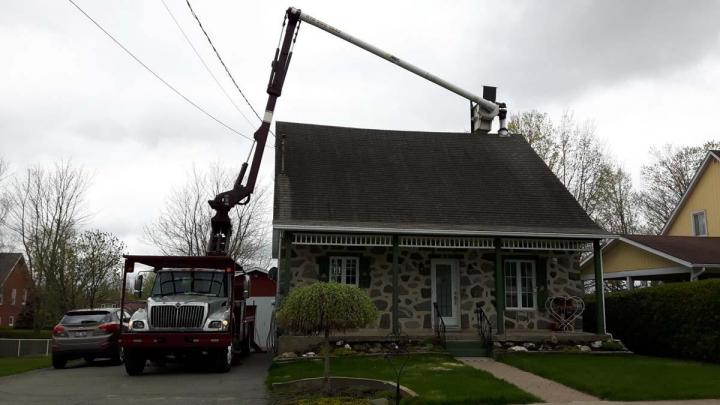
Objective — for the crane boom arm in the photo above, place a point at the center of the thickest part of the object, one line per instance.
(221, 225)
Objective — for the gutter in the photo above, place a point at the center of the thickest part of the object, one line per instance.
(454, 232)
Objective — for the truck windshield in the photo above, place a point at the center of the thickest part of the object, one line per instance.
(190, 282)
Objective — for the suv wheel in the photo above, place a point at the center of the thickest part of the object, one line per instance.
(223, 360)
(58, 361)
(134, 363)
(119, 357)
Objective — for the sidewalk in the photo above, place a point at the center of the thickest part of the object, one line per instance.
(547, 390)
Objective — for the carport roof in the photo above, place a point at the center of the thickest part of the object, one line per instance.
(695, 251)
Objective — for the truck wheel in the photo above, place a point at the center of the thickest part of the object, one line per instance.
(58, 361)
(223, 360)
(134, 363)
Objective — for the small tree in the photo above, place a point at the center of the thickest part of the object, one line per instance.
(325, 308)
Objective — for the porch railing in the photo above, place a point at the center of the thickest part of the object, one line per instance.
(483, 325)
(439, 326)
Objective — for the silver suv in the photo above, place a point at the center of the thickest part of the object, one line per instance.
(88, 334)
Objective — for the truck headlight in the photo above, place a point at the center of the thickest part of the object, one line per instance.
(138, 325)
(218, 324)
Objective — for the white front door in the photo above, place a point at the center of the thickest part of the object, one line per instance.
(445, 280)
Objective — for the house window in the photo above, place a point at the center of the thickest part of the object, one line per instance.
(11, 321)
(1, 297)
(24, 301)
(344, 270)
(520, 290)
(699, 223)
(13, 295)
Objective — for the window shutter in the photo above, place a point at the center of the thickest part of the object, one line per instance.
(323, 268)
(541, 282)
(364, 280)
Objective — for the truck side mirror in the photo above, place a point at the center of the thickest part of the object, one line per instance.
(138, 286)
(273, 273)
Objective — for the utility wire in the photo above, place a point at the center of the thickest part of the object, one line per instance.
(223, 62)
(207, 68)
(176, 91)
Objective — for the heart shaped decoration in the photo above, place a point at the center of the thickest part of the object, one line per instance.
(565, 309)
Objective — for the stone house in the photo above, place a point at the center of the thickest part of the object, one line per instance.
(15, 283)
(437, 227)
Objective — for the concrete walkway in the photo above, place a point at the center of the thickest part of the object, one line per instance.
(547, 390)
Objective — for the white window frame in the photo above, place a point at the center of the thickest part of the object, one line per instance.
(11, 321)
(24, 301)
(343, 266)
(518, 286)
(13, 296)
(692, 221)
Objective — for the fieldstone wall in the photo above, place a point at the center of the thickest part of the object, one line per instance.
(477, 283)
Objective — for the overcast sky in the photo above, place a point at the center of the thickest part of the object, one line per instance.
(647, 73)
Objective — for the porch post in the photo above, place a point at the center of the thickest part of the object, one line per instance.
(599, 287)
(395, 285)
(284, 274)
(499, 288)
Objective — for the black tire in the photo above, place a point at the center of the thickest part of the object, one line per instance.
(223, 360)
(134, 363)
(118, 357)
(58, 361)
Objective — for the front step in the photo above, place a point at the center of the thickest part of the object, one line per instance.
(467, 348)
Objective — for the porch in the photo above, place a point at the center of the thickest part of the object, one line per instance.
(417, 281)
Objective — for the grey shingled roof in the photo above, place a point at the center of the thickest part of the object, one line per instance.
(397, 180)
(7, 263)
(696, 250)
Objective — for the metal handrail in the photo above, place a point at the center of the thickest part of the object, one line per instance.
(483, 324)
(439, 326)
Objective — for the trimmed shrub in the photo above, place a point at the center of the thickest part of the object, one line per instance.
(674, 320)
(322, 308)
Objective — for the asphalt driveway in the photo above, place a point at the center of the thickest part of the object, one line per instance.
(102, 383)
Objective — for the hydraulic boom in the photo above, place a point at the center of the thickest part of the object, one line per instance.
(221, 226)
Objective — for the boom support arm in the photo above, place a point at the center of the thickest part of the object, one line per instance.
(221, 226)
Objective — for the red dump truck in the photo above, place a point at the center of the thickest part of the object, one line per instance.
(195, 310)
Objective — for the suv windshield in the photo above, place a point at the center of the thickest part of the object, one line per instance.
(210, 283)
(82, 317)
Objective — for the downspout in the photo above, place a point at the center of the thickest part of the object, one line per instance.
(695, 276)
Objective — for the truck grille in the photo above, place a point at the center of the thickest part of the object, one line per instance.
(170, 316)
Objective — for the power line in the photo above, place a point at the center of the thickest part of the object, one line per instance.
(207, 68)
(176, 91)
(223, 62)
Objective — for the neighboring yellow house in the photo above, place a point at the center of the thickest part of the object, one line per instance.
(688, 247)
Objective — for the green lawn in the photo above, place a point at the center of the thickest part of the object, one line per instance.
(625, 377)
(436, 378)
(15, 365)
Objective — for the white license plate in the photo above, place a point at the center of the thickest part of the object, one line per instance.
(80, 334)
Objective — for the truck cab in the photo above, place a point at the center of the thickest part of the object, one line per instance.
(195, 310)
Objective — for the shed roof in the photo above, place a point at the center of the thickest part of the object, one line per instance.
(336, 178)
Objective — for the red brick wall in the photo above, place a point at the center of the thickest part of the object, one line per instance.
(19, 280)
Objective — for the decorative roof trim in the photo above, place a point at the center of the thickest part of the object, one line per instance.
(690, 189)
